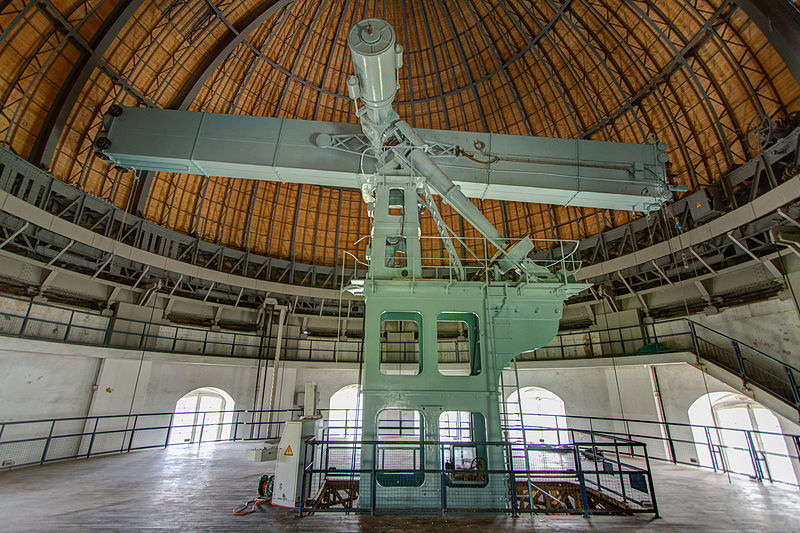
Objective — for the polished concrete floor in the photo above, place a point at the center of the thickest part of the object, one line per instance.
(191, 489)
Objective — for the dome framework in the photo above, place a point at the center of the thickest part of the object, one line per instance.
(698, 75)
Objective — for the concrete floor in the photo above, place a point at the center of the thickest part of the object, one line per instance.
(190, 489)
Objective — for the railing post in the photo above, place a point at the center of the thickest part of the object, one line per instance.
(442, 479)
(581, 481)
(202, 428)
(793, 386)
(711, 448)
(561, 342)
(650, 482)
(169, 429)
(47, 443)
(621, 474)
(91, 439)
(303, 477)
(671, 443)
(739, 359)
(373, 481)
(621, 341)
(512, 479)
(236, 426)
(751, 448)
(107, 336)
(69, 325)
(25, 320)
(205, 343)
(144, 334)
(133, 430)
(693, 333)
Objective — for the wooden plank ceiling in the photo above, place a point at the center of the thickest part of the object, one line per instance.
(691, 73)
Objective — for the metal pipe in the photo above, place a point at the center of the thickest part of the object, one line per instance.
(442, 184)
(274, 373)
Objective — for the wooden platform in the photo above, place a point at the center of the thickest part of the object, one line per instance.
(565, 496)
(335, 492)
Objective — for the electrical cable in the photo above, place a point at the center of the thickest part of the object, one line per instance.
(141, 362)
(359, 402)
(265, 486)
(686, 310)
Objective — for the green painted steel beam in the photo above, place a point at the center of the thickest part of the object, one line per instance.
(488, 166)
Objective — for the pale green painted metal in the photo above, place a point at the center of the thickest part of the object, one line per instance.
(567, 172)
(514, 305)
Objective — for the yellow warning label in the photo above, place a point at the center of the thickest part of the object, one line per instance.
(288, 451)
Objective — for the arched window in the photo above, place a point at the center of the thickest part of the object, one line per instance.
(542, 416)
(202, 415)
(344, 416)
(749, 436)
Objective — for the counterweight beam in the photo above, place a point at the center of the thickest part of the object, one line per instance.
(487, 166)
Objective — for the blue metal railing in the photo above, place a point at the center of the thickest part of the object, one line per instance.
(594, 468)
(29, 442)
(64, 324)
(752, 365)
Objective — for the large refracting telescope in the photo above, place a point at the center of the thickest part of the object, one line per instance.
(376, 60)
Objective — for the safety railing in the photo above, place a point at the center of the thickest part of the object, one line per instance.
(591, 474)
(29, 442)
(760, 455)
(28, 319)
(679, 335)
(43, 321)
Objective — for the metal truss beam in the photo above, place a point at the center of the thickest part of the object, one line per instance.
(682, 237)
(61, 214)
(36, 241)
(237, 33)
(779, 21)
(50, 132)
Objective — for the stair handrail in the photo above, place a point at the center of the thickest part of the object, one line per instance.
(737, 341)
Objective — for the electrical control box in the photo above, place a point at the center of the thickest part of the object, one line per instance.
(292, 460)
(702, 205)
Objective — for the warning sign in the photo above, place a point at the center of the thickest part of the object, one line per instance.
(288, 451)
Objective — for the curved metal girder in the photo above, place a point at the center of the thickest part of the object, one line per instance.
(56, 119)
(187, 93)
(779, 21)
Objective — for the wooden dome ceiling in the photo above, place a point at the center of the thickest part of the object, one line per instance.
(694, 74)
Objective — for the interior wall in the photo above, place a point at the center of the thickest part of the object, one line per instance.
(40, 379)
(593, 391)
(44, 386)
(771, 326)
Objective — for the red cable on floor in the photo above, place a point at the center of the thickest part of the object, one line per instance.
(249, 507)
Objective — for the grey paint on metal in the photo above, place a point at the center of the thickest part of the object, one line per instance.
(21, 209)
(765, 204)
(779, 21)
(500, 167)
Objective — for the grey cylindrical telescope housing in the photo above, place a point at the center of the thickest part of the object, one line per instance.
(375, 61)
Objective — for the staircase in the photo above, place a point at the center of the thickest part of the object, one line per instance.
(751, 365)
(743, 366)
